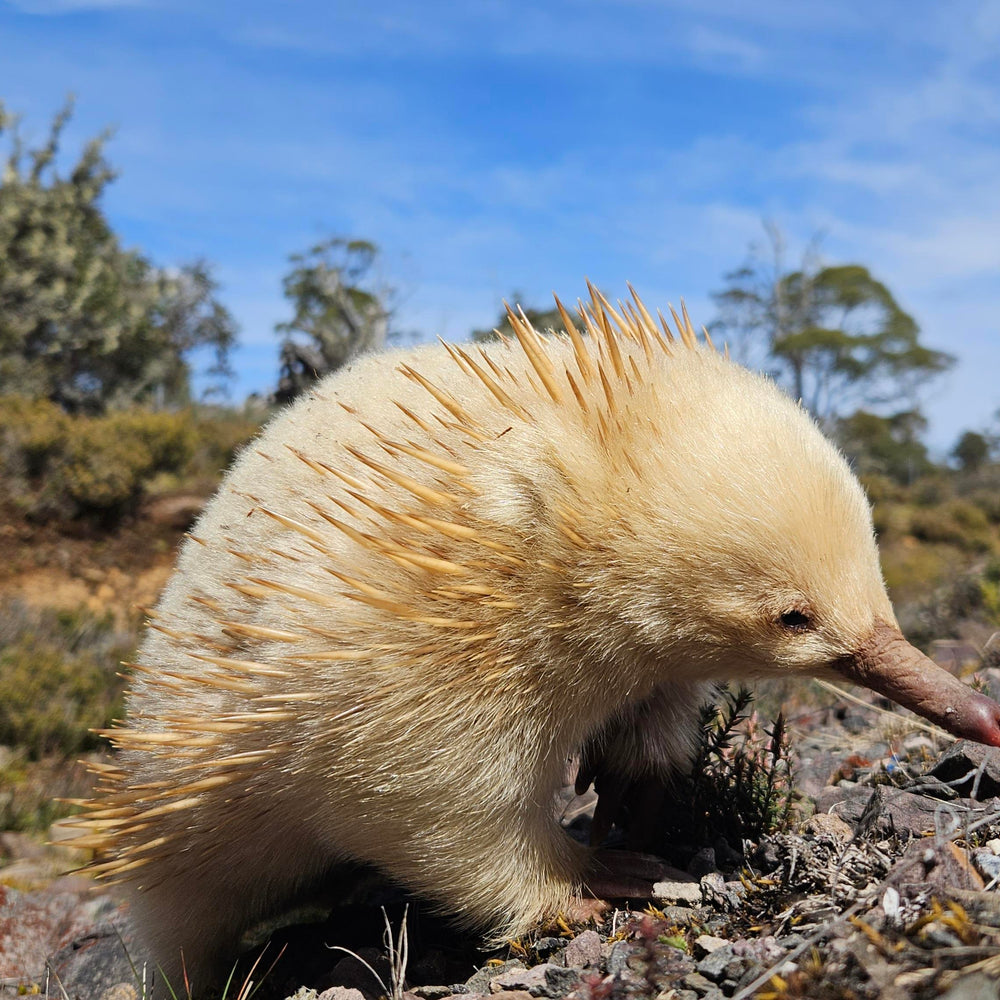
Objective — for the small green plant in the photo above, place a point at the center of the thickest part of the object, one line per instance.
(740, 787)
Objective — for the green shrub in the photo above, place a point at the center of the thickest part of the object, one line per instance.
(957, 522)
(58, 678)
(107, 460)
(932, 490)
(56, 466)
(989, 590)
(220, 436)
(988, 501)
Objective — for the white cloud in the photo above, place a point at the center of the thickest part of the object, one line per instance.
(725, 50)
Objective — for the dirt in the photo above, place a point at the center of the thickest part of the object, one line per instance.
(80, 565)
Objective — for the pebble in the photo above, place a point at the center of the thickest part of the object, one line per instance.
(585, 950)
(677, 892)
(987, 863)
(705, 944)
(479, 981)
(618, 958)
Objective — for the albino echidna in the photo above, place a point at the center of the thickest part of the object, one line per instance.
(441, 573)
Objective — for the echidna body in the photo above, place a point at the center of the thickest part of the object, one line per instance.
(436, 577)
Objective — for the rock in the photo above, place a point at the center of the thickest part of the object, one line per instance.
(969, 766)
(926, 866)
(677, 892)
(705, 944)
(431, 992)
(479, 981)
(883, 811)
(766, 858)
(352, 972)
(106, 955)
(545, 980)
(829, 826)
(975, 986)
(559, 981)
(585, 950)
(699, 985)
(987, 864)
(57, 927)
(720, 964)
(617, 962)
(20, 847)
(550, 946)
(703, 862)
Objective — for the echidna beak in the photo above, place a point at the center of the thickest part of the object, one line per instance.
(888, 664)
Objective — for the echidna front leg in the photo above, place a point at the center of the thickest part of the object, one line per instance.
(634, 753)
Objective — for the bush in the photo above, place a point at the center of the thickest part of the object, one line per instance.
(59, 467)
(58, 678)
(957, 523)
(221, 434)
(740, 786)
(107, 460)
(988, 501)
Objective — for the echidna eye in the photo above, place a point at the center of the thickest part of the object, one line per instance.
(795, 620)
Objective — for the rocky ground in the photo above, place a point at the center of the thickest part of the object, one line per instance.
(888, 889)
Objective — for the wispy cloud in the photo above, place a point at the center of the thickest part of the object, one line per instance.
(498, 146)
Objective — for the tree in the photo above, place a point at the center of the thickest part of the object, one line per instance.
(834, 335)
(889, 446)
(84, 322)
(971, 451)
(336, 316)
(540, 319)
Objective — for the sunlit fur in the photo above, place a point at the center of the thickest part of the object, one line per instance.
(347, 666)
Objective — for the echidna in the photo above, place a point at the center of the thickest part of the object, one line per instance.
(441, 573)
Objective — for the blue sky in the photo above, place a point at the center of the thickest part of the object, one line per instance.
(497, 146)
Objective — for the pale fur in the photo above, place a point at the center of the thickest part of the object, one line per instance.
(621, 555)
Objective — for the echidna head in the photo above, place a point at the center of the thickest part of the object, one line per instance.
(743, 545)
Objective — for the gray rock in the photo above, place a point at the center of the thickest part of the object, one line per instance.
(479, 981)
(963, 762)
(559, 981)
(884, 811)
(705, 944)
(987, 863)
(715, 966)
(545, 980)
(550, 946)
(340, 993)
(519, 979)
(677, 892)
(618, 958)
(703, 862)
(700, 986)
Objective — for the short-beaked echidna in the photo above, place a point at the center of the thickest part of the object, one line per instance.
(434, 578)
